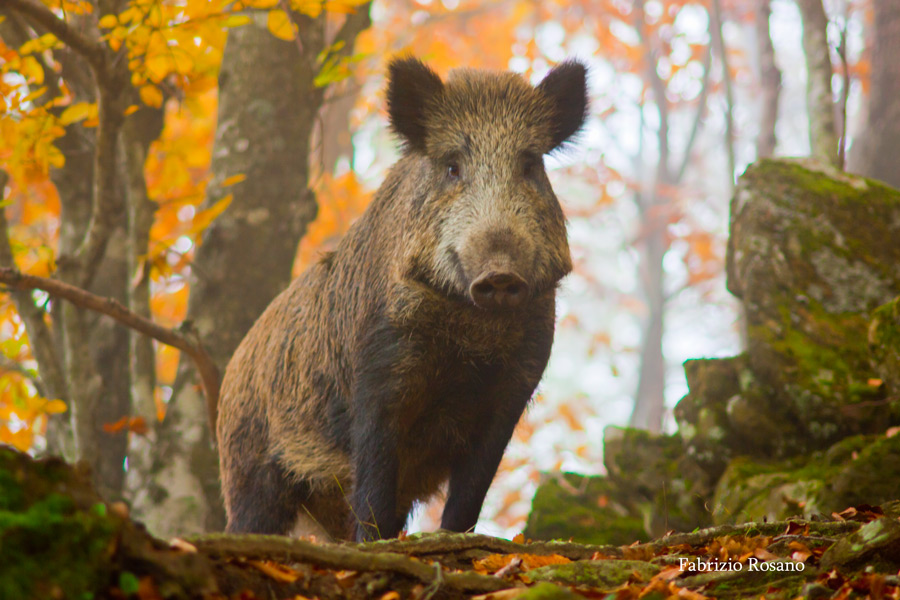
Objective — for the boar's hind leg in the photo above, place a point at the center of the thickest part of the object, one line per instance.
(471, 476)
(261, 499)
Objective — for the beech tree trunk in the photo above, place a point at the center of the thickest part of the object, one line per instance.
(770, 83)
(268, 106)
(874, 151)
(823, 136)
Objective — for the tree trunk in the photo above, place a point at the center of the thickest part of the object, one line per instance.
(267, 109)
(770, 83)
(874, 152)
(823, 137)
(649, 406)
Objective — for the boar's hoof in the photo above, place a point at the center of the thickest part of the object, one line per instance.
(498, 291)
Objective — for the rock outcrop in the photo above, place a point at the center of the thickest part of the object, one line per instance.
(801, 423)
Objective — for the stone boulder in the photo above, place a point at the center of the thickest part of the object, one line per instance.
(812, 252)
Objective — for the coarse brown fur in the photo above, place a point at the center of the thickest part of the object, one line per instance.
(379, 374)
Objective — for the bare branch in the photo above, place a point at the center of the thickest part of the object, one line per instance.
(659, 93)
(91, 50)
(355, 23)
(344, 557)
(184, 339)
(718, 43)
(845, 94)
(295, 21)
(698, 116)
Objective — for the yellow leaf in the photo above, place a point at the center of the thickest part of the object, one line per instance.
(55, 157)
(108, 21)
(312, 8)
(237, 20)
(280, 25)
(151, 96)
(54, 407)
(20, 439)
(233, 180)
(203, 218)
(158, 66)
(131, 110)
(31, 70)
(77, 112)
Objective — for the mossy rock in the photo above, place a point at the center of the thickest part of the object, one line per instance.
(812, 253)
(652, 487)
(655, 479)
(56, 539)
(876, 541)
(582, 509)
(884, 343)
(726, 413)
(862, 469)
(597, 574)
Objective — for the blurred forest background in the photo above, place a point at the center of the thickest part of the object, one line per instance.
(188, 157)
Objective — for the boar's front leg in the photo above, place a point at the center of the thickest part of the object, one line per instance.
(471, 477)
(374, 437)
(375, 463)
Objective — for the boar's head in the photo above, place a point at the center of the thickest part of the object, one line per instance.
(488, 228)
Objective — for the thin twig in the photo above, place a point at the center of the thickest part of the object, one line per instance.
(337, 556)
(90, 49)
(185, 339)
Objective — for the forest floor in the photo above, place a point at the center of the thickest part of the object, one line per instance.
(59, 541)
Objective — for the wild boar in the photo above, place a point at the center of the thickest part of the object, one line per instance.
(404, 359)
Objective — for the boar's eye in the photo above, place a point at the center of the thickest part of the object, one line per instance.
(453, 171)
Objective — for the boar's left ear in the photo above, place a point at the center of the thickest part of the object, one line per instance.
(411, 86)
(566, 87)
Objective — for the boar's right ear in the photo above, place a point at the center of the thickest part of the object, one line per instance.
(411, 86)
(566, 87)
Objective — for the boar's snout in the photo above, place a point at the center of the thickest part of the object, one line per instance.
(498, 290)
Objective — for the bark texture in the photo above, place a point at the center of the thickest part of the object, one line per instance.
(268, 106)
(823, 137)
(770, 83)
(874, 152)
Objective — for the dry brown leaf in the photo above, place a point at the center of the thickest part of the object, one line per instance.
(519, 538)
(801, 551)
(495, 562)
(637, 553)
(763, 554)
(183, 546)
(736, 547)
(514, 566)
(147, 589)
(345, 578)
(276, 571)
(796, 528)
(669, 573)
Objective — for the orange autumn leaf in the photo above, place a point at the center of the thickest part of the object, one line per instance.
(276, 571)
(494, 562)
